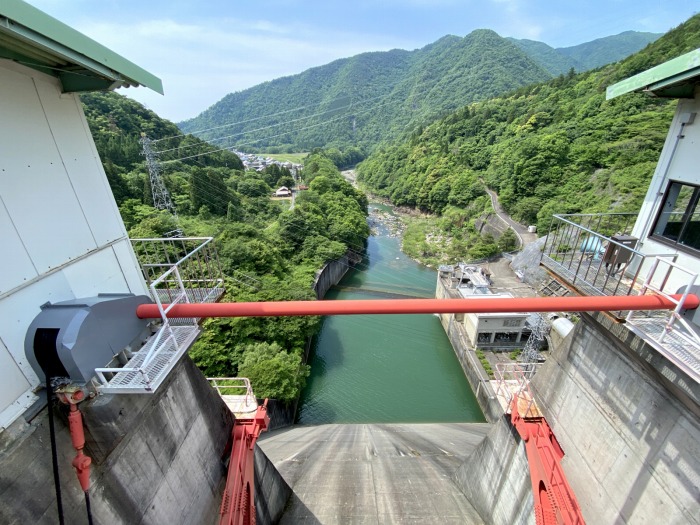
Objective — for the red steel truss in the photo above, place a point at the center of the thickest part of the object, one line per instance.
(555, 502)
(238, 504)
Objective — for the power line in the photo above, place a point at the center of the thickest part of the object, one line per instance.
(286, 111)
(364, 101)
(260, 129)
(274, 136)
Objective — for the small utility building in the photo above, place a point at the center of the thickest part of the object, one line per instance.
(496, 330)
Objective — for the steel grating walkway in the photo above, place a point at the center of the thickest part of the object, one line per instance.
(149, 378)
(677, 349)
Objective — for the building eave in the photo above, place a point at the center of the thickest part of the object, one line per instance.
(34, 39)
(676, 78)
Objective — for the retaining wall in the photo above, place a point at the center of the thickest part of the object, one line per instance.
(474, 372)
(628, 426)
(495, 478)
(271, 491)
(330, 275)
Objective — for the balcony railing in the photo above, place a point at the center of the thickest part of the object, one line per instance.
(237, 394)
(197, 265)
(177, 270)
(513, 379)
(595, 255)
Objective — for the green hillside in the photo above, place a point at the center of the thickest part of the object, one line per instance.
(555, 147)
(589, 55)
(362, 100)
(267, 251)
(551, 59)
(601, 51)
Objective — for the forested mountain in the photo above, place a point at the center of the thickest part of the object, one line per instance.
(602, 51)
(555, 147)
(360, 101)
(588, 55)
(267, 250)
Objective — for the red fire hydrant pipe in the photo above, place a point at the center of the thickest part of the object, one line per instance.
(421, 306)
(81, 462)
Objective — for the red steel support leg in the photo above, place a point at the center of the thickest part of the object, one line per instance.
(238, 504)
(555, 502)
(81, 462)
(71, 396)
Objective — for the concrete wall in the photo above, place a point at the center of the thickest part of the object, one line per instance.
(495, 479)
(330, 275)
(632, 445)
(628, 425)
(156, 459)
(60, 228)
(491, 223)
(271, 491)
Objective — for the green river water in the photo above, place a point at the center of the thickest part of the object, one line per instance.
(385, 368)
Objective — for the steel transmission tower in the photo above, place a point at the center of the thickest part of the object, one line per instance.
(536, 340)
(161, 197)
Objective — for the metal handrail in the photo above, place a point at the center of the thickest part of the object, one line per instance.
(520, 372)
(573, 252)
(198, 268)
(675, 316)
(583, 247)
(249, 396)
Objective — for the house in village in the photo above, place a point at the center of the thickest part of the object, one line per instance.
(283, 192)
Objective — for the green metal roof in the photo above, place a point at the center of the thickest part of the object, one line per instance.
(33, 38)
(676, 78)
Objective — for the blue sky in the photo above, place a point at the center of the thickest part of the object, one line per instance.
(204, 49)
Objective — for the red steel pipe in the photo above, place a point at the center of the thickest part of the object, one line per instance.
(420, 306)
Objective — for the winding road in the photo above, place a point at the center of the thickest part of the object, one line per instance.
(521, 232)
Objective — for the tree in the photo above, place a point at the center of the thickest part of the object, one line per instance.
(273, 372)
(507, 241)
(285, 180)
(253, 187)
(208, 188)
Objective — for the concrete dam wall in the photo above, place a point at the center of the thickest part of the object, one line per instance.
(627, 420)
(156, 458)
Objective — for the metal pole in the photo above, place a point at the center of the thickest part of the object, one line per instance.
(418, 306)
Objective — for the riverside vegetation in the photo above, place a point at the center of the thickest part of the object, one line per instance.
(552, 147)
(267, 252)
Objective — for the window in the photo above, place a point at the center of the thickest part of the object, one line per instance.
(678, 222)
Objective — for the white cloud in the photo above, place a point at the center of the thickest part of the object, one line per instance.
(200, 64)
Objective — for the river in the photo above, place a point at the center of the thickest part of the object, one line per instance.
(385, 368)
